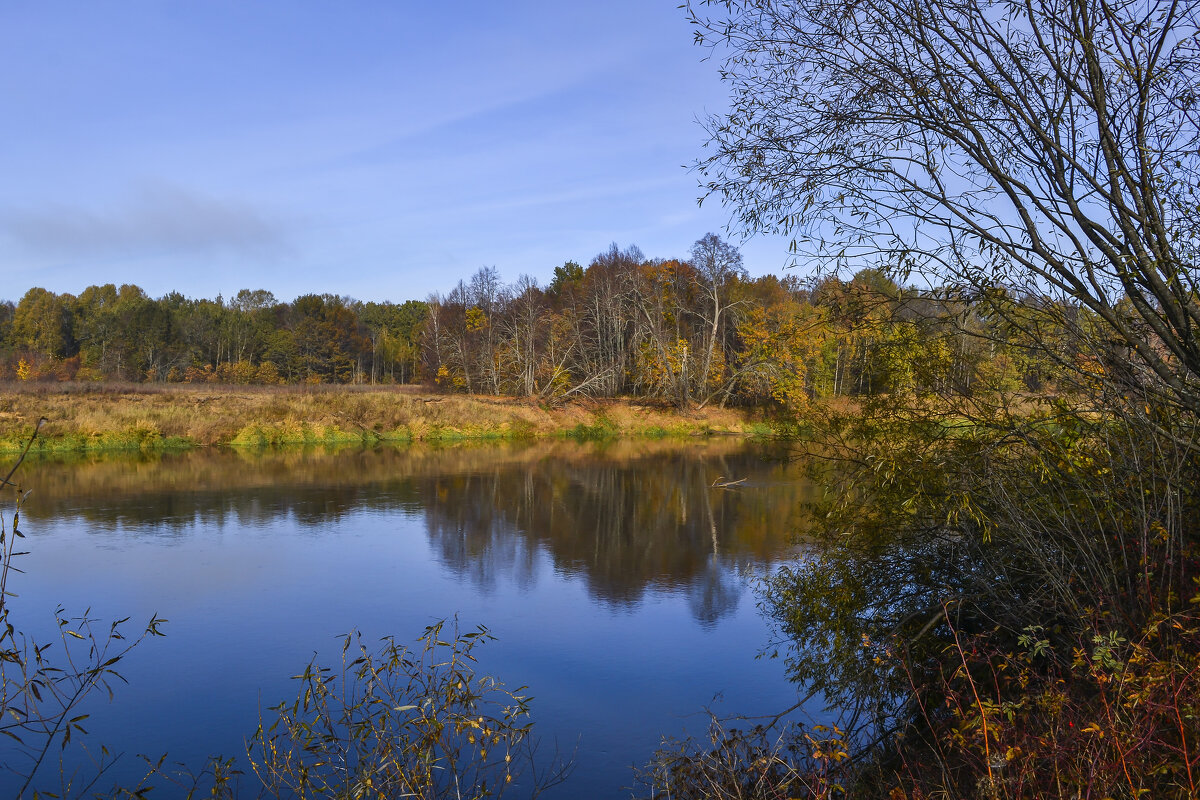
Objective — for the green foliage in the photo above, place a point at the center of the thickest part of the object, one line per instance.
(599, 430)
(566, 275)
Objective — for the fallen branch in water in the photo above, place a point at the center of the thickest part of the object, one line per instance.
(720, 484)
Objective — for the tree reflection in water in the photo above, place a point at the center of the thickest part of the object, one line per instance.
(626, 518)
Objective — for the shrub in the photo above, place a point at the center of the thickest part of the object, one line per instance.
(40, 695)
(395, 722)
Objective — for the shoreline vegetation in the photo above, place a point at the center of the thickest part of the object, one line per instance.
(109, 417)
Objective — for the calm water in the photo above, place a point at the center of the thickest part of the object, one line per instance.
(617, 581)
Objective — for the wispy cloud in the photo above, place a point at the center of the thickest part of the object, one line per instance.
(156, 218)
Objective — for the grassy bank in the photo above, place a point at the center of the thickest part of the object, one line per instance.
(89, 417)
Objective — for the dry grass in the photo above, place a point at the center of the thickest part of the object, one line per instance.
(86, 417)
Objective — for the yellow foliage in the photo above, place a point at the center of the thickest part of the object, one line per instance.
(476, 319)
(781, 341)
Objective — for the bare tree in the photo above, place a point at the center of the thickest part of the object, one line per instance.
(717, 262)
(1044, 146)
(522, 326)
(603, 320)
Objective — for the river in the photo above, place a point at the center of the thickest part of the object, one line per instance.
(617, 580)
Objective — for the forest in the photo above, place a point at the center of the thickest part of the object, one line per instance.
(685, 332)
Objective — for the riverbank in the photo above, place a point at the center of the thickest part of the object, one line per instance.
(105, 417)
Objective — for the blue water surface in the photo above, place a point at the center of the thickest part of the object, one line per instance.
(617, 580)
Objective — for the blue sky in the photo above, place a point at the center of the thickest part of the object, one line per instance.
(381, 150)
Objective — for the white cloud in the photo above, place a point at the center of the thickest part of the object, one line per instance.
(156, 218)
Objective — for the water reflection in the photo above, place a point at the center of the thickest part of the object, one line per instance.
(625, 518)
(623, 525)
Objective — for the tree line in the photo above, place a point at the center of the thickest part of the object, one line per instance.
(688, 332)
(121, 333)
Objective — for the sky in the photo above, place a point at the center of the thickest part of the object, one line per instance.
(380, 150)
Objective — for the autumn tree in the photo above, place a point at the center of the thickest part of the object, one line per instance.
(1049, 147)
(667, 354)
(682, 331)
(459, 323)
(329, 342)
(42, 322)
(1036, 165)
(783, 343)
